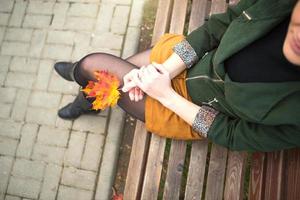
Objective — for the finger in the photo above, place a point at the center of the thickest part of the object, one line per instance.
(141, 94)
(152, 69)
(131, 94)
(136, 94)
(160, 67)
(139, 83)
(128, 86)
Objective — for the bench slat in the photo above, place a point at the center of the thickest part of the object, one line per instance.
(163, 15)
(153, 167)
(216, 173)
(256, 186)
(293, 176)
(195, 181)
(178, 148)
(135, 172)
(274, 175)
(175, 169)
(235, 175)
(198, 14)
(178, 16)
(218, 6)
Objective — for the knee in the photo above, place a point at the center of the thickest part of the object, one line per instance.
(87, 62)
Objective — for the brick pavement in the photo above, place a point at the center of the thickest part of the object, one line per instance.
(42, 156)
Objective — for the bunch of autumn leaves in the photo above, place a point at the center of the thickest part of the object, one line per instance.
(104, 90)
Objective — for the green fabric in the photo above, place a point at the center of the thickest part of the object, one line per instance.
(253, 116)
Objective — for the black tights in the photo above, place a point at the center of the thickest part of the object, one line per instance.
(84, 72)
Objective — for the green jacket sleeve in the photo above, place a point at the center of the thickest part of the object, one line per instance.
(208, 36)
(237, 134)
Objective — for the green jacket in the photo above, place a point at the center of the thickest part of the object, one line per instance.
(253, 116)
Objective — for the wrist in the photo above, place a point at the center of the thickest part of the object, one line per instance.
(169, 98)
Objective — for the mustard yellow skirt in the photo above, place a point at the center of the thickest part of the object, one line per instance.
(159, 119)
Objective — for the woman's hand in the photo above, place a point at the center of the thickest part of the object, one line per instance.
(134, 92)
(155, 81)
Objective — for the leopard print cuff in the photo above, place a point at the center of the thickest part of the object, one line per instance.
(203, 120)
(186, 52)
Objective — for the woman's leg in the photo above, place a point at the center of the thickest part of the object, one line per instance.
(119, 67)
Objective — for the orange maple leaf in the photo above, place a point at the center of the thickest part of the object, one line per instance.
(104, 90)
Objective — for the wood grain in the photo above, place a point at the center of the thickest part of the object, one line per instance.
(178, 16)
(292, 183)
(235, 175)
(218, 6)
(198, 14)
(175, 169)
(216, 173)
(153, 168)
(274, 175)
(162, 20)
(135, 172)
(195, 180)
(256, 186)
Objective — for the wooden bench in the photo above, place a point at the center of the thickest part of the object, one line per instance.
(214, 172)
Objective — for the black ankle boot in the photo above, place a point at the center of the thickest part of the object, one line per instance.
(65, 70)
(79, 106)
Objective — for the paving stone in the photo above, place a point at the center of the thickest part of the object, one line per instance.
(69, 193)
(44, 99)
(10, 128)
(92, 152)
(75, 149)
(7, 95)
(9, 197)
(6, 6)
(41, 115)
(24, 187)
(4, 63)
(4, 19)
(95, 124)
(136, 14)
(83, 10)
(120, 19)
(124, 2)
(24, 64)
(8, 146)
(53, 136)
(2, 78)
(15, 48)
(59, 18)
(82, 47)
(109, 51)
(5, 110)
(79, 23)
(104, 17)
(28, 135)
(44, 74)
(37, 7)
(18, 34)
(5, 169)
(62, 123)
(37, 43)
(37, 21)
(51, 182)
(131, 42)
(101, 41)
(2, 32)
(61, 37)
(21, 80)
(78, 178)
(48, 153)
(58, 84)
(20, 106)
(57, 51)
(18, 13)
(28, 169)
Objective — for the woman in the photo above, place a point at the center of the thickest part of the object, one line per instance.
(235, 80)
